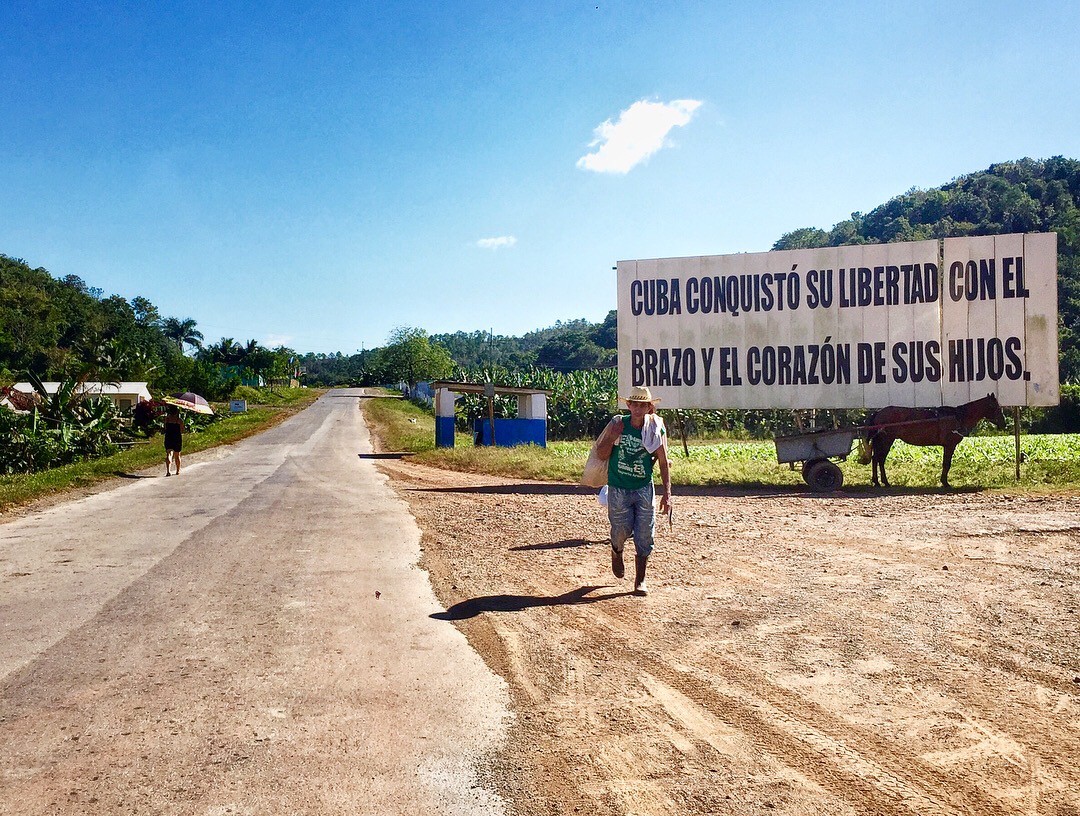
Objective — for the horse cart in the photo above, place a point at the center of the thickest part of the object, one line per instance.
(816, 450)
(944, 426)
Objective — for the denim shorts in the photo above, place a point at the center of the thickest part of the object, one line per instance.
(632, 513)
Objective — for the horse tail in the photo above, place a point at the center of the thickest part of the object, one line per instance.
(866, 451)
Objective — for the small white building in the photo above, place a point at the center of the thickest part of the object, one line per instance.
(124, 395)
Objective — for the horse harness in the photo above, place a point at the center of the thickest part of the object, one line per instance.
(944, 416)
(951, 413)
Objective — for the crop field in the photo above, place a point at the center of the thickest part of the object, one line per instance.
(1048, 460)
(981, 461)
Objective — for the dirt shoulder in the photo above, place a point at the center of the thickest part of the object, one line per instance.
(890, 654)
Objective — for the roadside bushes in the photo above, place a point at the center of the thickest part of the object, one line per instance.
(246, 392)
(23, 447)
(67, 425)
(42, 439)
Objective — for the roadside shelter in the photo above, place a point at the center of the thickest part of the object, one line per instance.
(529, 428)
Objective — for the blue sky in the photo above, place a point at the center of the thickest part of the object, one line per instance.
(316, 177)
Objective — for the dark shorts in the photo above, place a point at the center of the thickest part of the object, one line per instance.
(174, 439)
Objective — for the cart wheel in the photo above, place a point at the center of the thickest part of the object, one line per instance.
(809, 463)
(824, 476)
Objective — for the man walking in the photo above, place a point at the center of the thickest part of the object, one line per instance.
(632, 444)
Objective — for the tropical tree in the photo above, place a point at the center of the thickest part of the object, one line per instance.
(62, 406)
(182, 332)
(107, 360)
(225, 352)
(802, 238)
(410, 356)
(573, 351)
(146, 313)
(258, 359)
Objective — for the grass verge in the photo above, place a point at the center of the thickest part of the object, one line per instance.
(22, 489)
(1051, 461)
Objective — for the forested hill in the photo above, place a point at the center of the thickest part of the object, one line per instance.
(1018, 196)
(61, 329)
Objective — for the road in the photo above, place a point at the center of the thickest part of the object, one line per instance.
(253, 636)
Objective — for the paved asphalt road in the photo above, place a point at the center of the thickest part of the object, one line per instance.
(251, 637)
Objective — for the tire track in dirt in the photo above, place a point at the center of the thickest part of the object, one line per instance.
(782, 718)
(802, 735)
(1040, 745)
(1022, 666)
(1001, 656)
(769, 721)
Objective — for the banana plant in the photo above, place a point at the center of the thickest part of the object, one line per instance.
(61, 407)
(69, 424)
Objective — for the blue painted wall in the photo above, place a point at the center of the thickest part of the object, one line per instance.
(511, 432)
(444, 432)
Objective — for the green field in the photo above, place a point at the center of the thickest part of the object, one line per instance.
(1049, 461)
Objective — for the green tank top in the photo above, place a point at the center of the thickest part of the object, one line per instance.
(630, 466)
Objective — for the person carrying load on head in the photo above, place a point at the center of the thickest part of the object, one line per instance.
(632, 443)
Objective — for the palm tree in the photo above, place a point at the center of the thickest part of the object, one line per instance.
(258, 359)
(107, 359)
(182, 332)
(251, 356)
(226, 352)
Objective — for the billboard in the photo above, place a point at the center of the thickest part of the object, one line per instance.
(919, 324)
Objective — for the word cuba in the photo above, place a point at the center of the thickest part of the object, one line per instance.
(847, 287)
(966, 360)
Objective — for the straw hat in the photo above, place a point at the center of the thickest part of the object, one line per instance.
(640, 393)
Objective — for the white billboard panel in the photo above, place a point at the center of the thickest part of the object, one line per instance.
(920, 324)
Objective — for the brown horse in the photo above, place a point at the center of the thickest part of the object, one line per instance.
(927, 426)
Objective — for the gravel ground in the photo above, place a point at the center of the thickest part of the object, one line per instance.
(893, 653)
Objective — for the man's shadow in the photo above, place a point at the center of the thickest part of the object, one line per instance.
(516, 603)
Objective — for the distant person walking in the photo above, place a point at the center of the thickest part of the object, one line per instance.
(632, 444)
(174, 438)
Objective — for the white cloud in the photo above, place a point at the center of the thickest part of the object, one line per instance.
(642, 130)
(497, 243)
(272, 341)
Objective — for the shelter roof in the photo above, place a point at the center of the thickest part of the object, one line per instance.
(481, 388)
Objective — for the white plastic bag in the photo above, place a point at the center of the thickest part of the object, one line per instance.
(595, 474)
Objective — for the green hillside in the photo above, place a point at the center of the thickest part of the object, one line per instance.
(1019, 196)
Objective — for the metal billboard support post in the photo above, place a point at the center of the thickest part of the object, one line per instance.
(489, 392)
(682, 430)
(1016, 431)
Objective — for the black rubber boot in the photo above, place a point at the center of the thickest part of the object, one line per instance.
(639, 577)
(617, 568)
